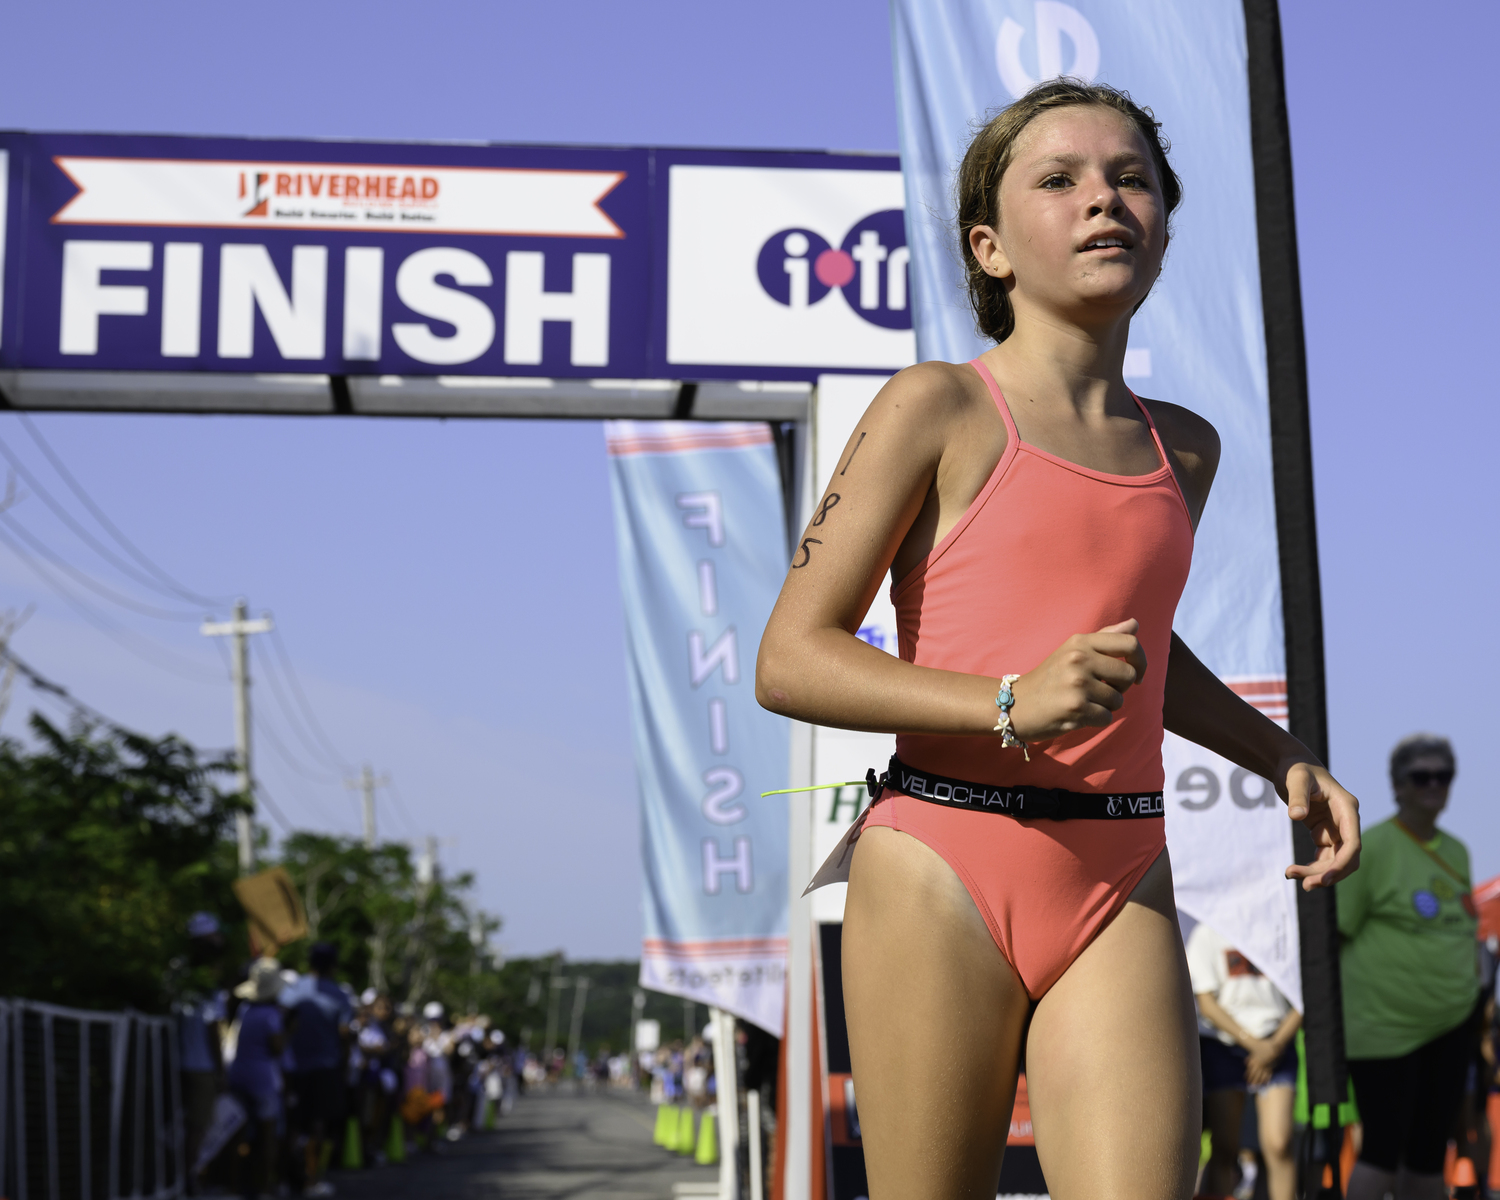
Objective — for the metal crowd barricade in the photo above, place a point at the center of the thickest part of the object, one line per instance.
(90, 1105)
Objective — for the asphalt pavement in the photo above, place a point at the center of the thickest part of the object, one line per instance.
(554, 1145)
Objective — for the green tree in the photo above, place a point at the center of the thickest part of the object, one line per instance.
(409, 937)
(108, 842)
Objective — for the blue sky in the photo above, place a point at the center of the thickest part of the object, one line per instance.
(447, 590)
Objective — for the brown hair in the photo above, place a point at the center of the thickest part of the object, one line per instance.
(978, 182)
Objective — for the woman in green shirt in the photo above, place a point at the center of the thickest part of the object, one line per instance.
(1411, 981)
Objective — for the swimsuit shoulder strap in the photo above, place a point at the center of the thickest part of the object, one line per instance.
(1161, 449)
(999, 399)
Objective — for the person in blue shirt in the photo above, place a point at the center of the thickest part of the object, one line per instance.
(320, 1014)
(254, 1076)
(199, 1016)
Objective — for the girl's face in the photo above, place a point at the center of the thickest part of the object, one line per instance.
(1081, 225)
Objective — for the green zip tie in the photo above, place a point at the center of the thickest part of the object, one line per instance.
(817, 787)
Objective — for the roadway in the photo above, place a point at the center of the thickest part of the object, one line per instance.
(554, 1145)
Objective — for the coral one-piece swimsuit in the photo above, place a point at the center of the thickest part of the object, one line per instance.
(1048, 549)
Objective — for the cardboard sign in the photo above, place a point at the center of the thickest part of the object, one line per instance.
(273, 907)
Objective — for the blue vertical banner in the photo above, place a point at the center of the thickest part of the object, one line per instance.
(702, 552)
(1199, 341)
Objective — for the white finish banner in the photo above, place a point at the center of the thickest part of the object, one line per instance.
(302, 195)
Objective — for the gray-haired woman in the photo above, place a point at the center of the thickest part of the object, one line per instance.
(1411, 981)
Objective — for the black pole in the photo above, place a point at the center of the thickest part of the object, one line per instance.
(1301, 598)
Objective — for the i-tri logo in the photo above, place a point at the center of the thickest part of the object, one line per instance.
(797, 267)
(1054, 22)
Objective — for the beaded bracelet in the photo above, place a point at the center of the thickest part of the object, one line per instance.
(1004, 701)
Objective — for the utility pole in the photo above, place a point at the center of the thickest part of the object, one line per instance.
(238, 629)
(427, 865)
(367, 783)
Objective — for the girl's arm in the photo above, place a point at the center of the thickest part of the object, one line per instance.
(1200, 707)
(911, 462)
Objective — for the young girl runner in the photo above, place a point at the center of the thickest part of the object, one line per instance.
(1037, 520)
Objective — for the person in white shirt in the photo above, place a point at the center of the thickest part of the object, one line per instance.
(1246, 1031)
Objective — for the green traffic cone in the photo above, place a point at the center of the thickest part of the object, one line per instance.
(685, 1130)
(353, 1158)
(395, 1150)
(666, 1126)
(708, 1141)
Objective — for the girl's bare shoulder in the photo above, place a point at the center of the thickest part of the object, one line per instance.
(929, 397)
(1192, 439)
(1193, 442)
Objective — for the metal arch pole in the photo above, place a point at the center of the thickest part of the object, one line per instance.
(1301, 592)
(796, 455)
(727, 1087)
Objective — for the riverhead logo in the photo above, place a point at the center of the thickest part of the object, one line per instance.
(1055, 22)
(871, 266)
(253, 190)
(286, 194)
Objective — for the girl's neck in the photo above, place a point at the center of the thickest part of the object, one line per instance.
(1062, 362)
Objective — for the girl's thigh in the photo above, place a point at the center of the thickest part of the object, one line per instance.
(935, 1016)
(1112, 1060)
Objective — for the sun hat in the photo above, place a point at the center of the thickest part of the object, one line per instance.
(265, 981)
(202, 924)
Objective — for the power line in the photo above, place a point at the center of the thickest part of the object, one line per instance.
(109, 526)
(293, 721)
(88, 581)
(276, 813)
(57, 691)
(287, 757)
(405, 814)
(157, 656)
(306, 798)
(286, 661)
(42, 684)
(319, 745)
(72, 523)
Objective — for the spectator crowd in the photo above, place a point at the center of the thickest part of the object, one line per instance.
(287, 1075)
(1419, 1020)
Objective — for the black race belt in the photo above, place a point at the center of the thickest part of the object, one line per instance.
(1022, 802)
